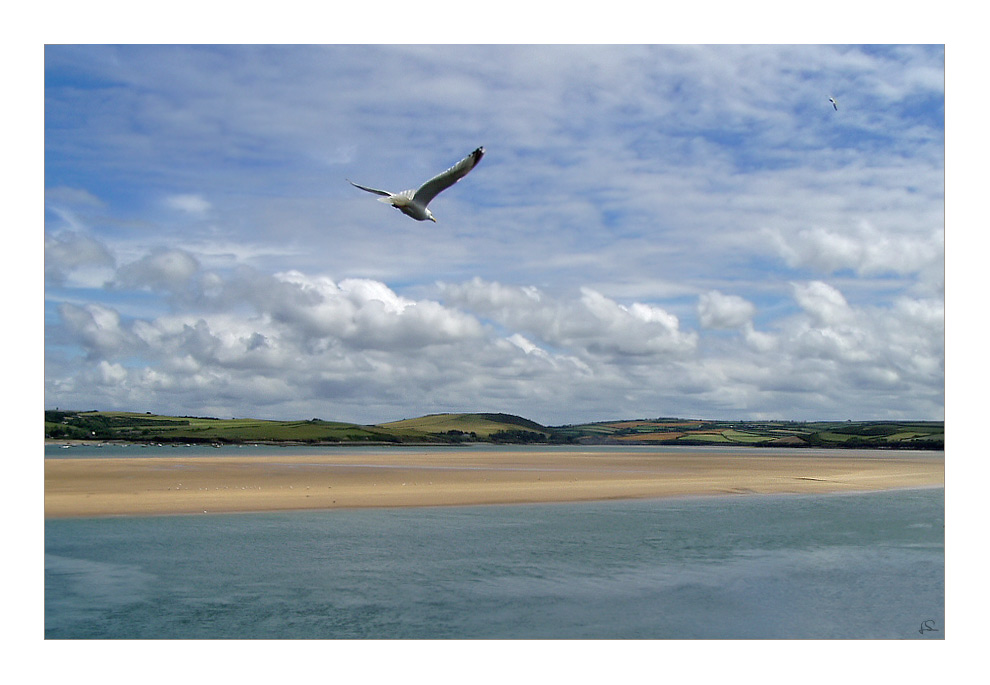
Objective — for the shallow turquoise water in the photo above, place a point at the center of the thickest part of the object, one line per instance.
(836, 566)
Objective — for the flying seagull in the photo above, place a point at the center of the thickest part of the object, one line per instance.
(834, 104)
(413, 202)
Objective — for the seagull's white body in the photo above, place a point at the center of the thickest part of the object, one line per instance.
(413, 202)
(834, 104)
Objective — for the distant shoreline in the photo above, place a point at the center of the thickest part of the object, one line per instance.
(492, 428)
(125, 486)
(686, 446)
(288, 444)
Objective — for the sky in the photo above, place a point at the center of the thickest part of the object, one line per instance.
(654, 230)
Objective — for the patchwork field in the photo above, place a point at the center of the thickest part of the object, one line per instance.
(456, 428)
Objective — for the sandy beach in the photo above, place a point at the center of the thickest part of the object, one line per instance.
(149, 486)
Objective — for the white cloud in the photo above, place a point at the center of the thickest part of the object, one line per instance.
(65, 196)
(590, 325)
(716, 310)
(899, 346)
(70, 254)
(97, 329)
(826, 305)
(528, 347)
(188, 203)
(170, 270)
(639, 329)
(759, 341)
(360, 350)
(864, 249)
(357, 312)
(111, 374)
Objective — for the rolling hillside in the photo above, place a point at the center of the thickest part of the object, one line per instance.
(499, 428)
(439, 428)
(129, 426)
(850, 434)
(478, 425)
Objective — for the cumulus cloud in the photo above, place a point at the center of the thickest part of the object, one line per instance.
(525, 345)
(716, 310)
(72, 253)
(357, 312)
(111, 374)
(901, 346)
(759, 341)
(291, 311)
(99, 330)
(591, 324)
(826, 305)
(169, 270)
(312, 337)
(291, 340)
(639, 329)
(864, 249)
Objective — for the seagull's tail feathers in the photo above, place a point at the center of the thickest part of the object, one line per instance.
(399, 199)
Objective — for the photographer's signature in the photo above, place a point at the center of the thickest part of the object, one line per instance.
(928, 627)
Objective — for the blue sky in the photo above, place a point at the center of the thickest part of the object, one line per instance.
(653, 231)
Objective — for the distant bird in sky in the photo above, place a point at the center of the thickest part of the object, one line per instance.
(413, 202)
(834, 104)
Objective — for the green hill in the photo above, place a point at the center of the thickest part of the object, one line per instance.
(438, 428)
(849, 434)
(499, 428)
(480, 425)
(130, 426)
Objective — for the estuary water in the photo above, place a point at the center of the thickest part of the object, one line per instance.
(847, 566)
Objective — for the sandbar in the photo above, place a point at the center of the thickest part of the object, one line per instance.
(195, 485)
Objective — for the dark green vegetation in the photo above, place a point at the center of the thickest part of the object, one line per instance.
(98, 425)
(494, 428)
(848, 434)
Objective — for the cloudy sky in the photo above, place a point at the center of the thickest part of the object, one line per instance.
(653, 231)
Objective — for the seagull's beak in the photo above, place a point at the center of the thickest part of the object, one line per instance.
(433, 219)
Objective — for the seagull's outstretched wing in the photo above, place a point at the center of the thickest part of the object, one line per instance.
(835, 105)
(441, 182)
(370, 190)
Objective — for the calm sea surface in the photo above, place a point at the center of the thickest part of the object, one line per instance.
(847, 566)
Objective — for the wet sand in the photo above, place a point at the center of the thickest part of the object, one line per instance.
(150, 486)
